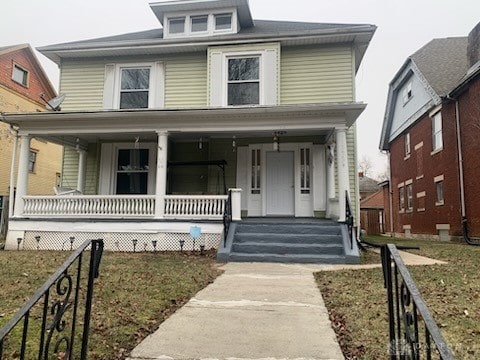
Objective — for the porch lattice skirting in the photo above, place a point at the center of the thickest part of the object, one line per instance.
(120, 242)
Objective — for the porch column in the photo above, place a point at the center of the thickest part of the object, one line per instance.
(330, 178)
(82, 169)
(161, 176)
(22, 178)
(343, 173)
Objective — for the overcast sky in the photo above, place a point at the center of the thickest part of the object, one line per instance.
(403, 27)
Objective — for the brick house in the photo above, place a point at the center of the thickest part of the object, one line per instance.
(22, 80)
(430, 124)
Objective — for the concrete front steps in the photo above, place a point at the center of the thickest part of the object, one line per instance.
(287, 242)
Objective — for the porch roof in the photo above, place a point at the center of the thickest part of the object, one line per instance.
(194, 120)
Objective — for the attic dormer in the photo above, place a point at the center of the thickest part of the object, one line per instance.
(187, 18)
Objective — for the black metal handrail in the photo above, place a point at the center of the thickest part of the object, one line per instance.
(227, 217)
(58, 319)
(349, 220)
(411, 326)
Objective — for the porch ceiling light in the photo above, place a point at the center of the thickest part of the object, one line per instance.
(276, 139)
(234, 143)
(200, 143)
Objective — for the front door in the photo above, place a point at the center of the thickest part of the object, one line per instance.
(280, 183)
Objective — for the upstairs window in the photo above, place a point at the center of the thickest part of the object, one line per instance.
(407, 144)
(407, 93)
(176, 25)
(134, 89)
(437, 136)
(223, 21)
(20, 75)
(199, 23)
(244, 81)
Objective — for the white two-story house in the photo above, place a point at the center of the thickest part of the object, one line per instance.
(158, 125)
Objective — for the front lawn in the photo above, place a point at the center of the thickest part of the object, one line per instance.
(134, 294)
(357, 302)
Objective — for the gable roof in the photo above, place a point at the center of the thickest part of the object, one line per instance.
(151, 42)
(46, 83)
(373, 201)
(440, 65)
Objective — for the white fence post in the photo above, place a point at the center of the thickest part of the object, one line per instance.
(236, 204)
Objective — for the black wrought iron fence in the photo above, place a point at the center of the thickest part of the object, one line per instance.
(349, 220)
(46, 327)
(413, 332)
(227, 217)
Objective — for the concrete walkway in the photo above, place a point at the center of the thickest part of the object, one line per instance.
(253, 311)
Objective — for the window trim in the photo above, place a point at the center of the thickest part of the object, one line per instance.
(25, 71)
(261, 80)
(151, 82)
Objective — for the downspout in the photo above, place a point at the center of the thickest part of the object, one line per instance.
(390, 195)
(460, 170)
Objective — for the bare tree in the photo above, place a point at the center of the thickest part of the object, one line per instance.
(365, 165)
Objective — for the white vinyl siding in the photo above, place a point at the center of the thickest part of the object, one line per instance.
(186, 81)
(82, 82)
(316, 75)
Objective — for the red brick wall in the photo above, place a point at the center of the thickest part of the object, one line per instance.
(469, 108)
(444, 162)
(35, 85)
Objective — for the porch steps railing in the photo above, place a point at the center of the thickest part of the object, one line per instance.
(413, 331)
(55, 322)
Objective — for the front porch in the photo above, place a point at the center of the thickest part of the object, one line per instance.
(154, 172)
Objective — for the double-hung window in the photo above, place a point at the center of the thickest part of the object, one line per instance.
(132, 171)
(243, 81)
(409, 189)
(407, 144)
(401, 198)
(20, 75)
(437, 137)
(134, 88)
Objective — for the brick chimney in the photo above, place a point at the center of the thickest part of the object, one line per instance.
(473, 48)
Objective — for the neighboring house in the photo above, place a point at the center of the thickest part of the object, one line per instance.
(431, 130)
(372, 214)
(157, 124)
(22, 81)
(366, 185)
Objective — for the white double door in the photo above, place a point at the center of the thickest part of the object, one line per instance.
(280, 181)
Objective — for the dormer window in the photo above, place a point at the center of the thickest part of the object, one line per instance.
(176, 25)
(199, 23)
(223, 22)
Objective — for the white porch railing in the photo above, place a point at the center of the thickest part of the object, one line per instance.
(195, 206)
(176, 206)
(93, 205)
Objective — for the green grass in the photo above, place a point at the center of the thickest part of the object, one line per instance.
(357, 304)
(134, 294)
